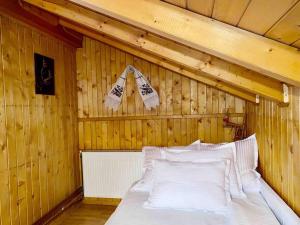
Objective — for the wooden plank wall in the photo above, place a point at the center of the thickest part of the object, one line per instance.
(188, 109)
(38, 134)
(277, 128)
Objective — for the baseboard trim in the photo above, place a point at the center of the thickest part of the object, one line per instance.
(101, 201)
(61, 207)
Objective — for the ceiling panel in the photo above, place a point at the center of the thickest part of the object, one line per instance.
(203, 7)
(261, 15)
(287, 30)
(297, 44)
(229, 11)
(180, 3)
(276, 19)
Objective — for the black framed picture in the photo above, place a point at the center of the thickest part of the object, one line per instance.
(44, 75)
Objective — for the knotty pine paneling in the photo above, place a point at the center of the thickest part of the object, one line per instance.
(274, 19)
(188, 109)
(38, 134)
(277, 128)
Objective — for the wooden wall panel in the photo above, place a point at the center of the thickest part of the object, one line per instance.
(38, 134)
(278, 133)
(188, 109)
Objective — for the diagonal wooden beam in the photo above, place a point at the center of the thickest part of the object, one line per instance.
(195, 75)
(43, 21)
(209, 66)
(42, 15)
(252, 51)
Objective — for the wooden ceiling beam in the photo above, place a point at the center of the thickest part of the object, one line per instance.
(60, 2)
(37, 18)
(195, 75)
(43, 15)
(209, 66)
(250, 50)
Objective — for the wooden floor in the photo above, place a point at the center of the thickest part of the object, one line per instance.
(82, 214)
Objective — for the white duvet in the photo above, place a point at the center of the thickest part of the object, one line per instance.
(252, 210)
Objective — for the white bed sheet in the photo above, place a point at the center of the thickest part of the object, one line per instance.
(252, 210)
(282, 211)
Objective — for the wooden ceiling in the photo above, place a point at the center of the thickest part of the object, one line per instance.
(252, 51)
(275, 19)
(42, 20)
(239, 62)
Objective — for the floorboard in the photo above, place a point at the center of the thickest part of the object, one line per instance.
(83, 214)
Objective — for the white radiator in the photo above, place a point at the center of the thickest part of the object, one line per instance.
(110, 174)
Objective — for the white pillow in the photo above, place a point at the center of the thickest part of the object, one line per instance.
(247, 154)
(247, 160)
(154, 152)
(145, 184)
(221, 152)
(189, 186)
(251, 182)
(151, 153)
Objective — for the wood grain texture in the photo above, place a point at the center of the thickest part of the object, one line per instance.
(186, 106)
(180, 3)
(260, 16)
(287, 29)
(81, 214)
(229, 11)
(39, 19)
(274, 19)
(101, 201)
(278, 134)
(203, 7)
(271, 90)
(188, 62)
(221, 40)
(62, 207)
(38, 134)
(297, 43)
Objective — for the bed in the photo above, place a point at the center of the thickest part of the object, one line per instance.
(203, 184)
(249, 211)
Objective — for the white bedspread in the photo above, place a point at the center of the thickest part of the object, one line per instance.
(252, 210)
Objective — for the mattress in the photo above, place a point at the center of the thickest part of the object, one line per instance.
(247, 211)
